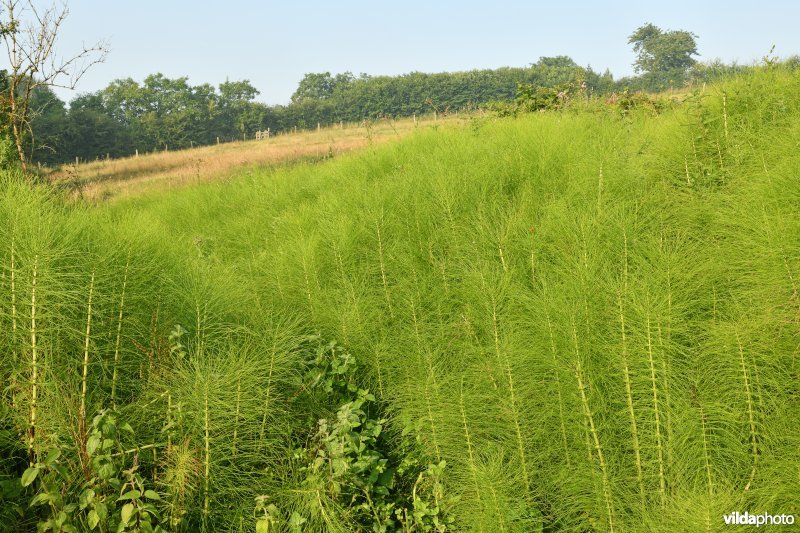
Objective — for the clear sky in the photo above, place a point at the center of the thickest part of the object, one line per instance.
(273, 44)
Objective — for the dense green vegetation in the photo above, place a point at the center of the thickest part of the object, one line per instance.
(162, 113)
(585, 319)
(128, 116)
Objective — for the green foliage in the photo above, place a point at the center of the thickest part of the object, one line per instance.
(321, 86)
(163, 113)
(531, 98)
(590, 322)
(113, 497)
(8, 152)
(663, 56)
(9, 158)
(351, 459)
(628, 101)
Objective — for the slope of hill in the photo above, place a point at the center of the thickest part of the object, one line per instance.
(105, 179)
(585, 320)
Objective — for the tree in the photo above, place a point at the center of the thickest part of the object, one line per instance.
(8, 151)
(663, 55)
(91, 130)
(30, 35)
(50, 126)
(321, 86)
(235, 106)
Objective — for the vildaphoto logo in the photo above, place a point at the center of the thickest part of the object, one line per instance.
(746, 519)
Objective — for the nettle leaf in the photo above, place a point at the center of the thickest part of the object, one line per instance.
(93, 519)
(126, 513)
(106, 470)
(296, 521)
(92, 444)
(151, 494)
(29, 475)
(86, 498)
(130, 495)
(262, 526)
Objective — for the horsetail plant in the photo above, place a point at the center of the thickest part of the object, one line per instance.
(118, 339)
(34, 367)
(87, 338)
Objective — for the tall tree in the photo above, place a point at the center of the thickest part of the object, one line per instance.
(663, 55)
(235, 103)
(30, 36)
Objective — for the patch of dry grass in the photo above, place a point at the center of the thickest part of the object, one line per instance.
(159, 171)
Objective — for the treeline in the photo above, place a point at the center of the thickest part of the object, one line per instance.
(162, 113)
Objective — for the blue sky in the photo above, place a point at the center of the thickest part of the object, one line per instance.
(274, 43)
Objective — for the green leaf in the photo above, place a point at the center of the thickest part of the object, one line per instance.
(153, 495)
(93, 519)
(29, 475)
(102, 510)
(150, 508)
(130, 495)
(86, 497)
(52, 456)
(296, 521)
(262, 526)
(127, 512)
(40, 498)
(92, 444)
(61, 469)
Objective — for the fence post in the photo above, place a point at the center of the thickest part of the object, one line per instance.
(137, 152)
(317, 126)
(217, 140)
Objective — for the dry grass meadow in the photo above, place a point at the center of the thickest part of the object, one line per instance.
(104, 180)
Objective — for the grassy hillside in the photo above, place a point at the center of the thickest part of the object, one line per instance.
(163, 171)
(584, 320)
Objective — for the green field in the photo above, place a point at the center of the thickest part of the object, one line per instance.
(577, 320)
